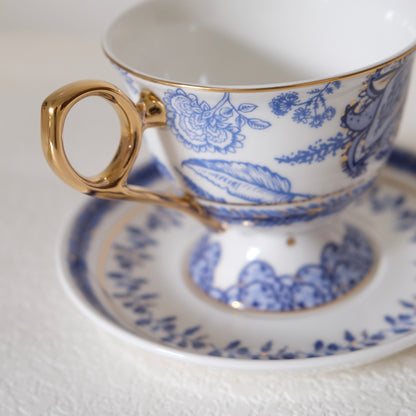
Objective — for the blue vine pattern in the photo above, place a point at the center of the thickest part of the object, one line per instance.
(133, 293)
(80, 238)
(203, 128)
(342, 267)
(370, 123)
(316, 152)
(313, 111)
(141, 302)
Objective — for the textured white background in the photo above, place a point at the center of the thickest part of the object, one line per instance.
(53, 361)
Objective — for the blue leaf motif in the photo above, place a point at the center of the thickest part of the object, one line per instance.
(226, 112)
(233, 344)
(401, 330)
(240, 121)
(379, 336)
(256, 123)
(246, 108)
(198, 344)
(333, 347)
(197, 190)
(191, 331)
(318, 345)
(407, 304)
(143, 322)
(266, 347)
(149, 296)
(168, 319)
(244, 180)
(348, 336)
(116, 275)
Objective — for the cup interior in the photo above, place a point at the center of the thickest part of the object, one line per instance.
(231, 43)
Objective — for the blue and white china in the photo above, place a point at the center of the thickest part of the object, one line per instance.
(122, 264)
(270, 122)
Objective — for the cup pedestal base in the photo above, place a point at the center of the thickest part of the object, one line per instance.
(273, 270)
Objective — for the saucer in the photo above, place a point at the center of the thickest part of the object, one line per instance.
(123, 264)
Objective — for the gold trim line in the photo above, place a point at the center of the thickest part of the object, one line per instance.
(266, 88)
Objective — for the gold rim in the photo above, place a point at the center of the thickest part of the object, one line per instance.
(231, 89)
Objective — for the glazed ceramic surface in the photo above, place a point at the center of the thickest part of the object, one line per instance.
(267, 140)
(283, 145)
(123, 264)
(238, 43)
(294, 138)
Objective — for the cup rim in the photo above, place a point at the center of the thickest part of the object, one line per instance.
(261, 87)
(112, 56)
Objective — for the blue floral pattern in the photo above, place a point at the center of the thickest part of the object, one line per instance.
(134, 296)
(370, 123)
(203, 128)
(342, 267)
(313, 111)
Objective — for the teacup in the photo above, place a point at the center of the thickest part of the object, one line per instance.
(272, 117)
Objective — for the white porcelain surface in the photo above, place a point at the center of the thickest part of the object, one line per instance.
(123, 265)
(275, 156)
(55, 360)
(262, 42)
(289, 148)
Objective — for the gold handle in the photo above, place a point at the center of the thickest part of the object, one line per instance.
(111, 183)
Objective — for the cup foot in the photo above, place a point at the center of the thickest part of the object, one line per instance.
(279, 272)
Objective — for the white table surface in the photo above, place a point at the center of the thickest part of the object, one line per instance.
(54, 361)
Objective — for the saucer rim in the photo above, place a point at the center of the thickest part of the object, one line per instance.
(328, 363)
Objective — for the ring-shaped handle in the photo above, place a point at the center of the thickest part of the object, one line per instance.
(111, 183)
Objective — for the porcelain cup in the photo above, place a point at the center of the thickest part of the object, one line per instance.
(271, 116)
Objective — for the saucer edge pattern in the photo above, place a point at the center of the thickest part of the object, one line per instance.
(166, 330)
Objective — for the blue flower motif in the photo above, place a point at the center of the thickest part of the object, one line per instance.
(317, 121)
(283, 103)
(203, 128)
(370, 123)
(301, 115)
(329, 113)
(313, 111)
